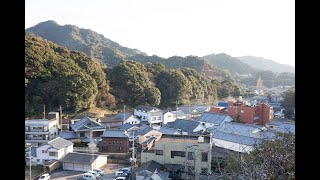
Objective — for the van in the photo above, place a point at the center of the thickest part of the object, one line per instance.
(88, 176)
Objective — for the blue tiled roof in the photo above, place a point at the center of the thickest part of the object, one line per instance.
(223, 104)
(184, 125)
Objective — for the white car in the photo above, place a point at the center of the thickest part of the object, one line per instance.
(97, 175)
(88, 176)
(45, 177)
(99, 171)
(120, 178)
(119, 173)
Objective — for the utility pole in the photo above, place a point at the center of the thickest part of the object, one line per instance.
(124, 113)
(60, 117)
(133, 159)
(44, 111)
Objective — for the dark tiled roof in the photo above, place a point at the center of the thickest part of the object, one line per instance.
(150, 166)
(184, 125)
(59, 143)
(167, 130)
(86, 124)
(123, 115)
(114, 133)
(144, 130)
(212, 118)
(145, 108)
(126, 126)
(68, 135)
(80, 158)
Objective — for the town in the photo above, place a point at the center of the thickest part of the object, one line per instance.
(188, 142)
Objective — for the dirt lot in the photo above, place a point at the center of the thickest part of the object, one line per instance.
(109, 169)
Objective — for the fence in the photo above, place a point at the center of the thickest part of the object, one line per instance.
(85, 150)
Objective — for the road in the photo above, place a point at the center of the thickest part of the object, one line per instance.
(108, 169)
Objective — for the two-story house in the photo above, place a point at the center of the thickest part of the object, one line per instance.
(114, 141)
(128, 118)
(85, 126)
(55, 149)
(151, 114)
(192, 152)
(39, 131)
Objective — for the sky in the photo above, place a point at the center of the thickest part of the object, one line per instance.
(262, 28)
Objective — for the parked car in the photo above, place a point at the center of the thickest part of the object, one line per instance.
(121, 178)
(120, 173)
(99, 171)
(97, 175)
(126, 170)
(88, 176)
(45, 177)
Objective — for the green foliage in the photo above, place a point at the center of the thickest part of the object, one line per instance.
(229, 88)
(131, 85)
(289, 102)
(56, 76)
(272, 159)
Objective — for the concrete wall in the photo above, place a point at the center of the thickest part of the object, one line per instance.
(168, 117)
(167, 147)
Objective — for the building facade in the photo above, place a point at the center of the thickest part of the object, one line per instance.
(114, 141)
(39, 131)
(192, 152)
(151, 114)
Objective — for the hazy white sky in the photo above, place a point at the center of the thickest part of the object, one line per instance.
(263, 28)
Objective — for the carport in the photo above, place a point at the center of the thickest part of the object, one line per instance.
(83, 161)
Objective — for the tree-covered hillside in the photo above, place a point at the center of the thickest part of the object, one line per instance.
(56, 76)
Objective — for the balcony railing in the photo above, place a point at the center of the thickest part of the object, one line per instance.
(37, 138)
(36, 130)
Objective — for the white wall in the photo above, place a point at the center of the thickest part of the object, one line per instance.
(168, 117)
(132, 120)
(100, 161)
(45, 156)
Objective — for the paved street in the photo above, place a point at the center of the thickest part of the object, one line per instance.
(109, 169)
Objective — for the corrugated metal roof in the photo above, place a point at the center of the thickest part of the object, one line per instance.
(245, 140)
(214, 118)
(80, 158)
(60, 143)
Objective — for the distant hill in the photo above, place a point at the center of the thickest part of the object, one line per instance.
(93, 44)
(225, 61)
(266, 64)
(111, 53)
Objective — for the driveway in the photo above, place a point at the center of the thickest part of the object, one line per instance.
(109, 170)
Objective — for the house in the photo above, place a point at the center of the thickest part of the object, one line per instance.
(234, 142)
(111, 121)
(186, 126)
(128, 118)
(66, 124)
(83, 161)
(241, 129)
(260, 113)
(178, 114)
(194, 111)
(55, 149)
(185, 150)
(167, 117)
(39, 131)
(146, 170)
(208, 119)
(130, 128)
(146, 136)
(151, 114)
(86, 126)
(114, 141)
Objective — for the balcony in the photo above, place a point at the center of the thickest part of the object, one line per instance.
(38, 129)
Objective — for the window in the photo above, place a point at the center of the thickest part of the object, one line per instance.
(204, 157)
(82, 134)
(114, 142)
(178, 153)
(44, 151)
(120, 148)
(204, 170)
(110, 142)
(159, 152)
(242, 111)
(120, 142)
(38, 160)
(190, 155)
(53, 154)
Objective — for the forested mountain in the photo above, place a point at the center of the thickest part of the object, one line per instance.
(111, 53)
(266, 64)
(91, 43)
(56, 76)
(224, 61)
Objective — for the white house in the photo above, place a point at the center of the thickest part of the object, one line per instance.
(83, 161)
(168, 117)
(147, 113)
(53, 150)
(39, 131)
(128, 118)
(209, 119)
